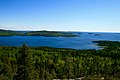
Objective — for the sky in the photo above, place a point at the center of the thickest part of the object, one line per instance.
(60, 15)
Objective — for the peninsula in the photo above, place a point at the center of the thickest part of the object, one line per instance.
(36, 33)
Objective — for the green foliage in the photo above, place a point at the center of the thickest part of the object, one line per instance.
(27, 63)
(50, 33)
(25, 66)
(36, 33)
(9, 33)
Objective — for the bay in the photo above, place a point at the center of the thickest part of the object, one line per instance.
(82, 41)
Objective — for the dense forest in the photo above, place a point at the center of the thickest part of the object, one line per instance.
(50, 33)
(44, 63)
(36, 33)
(9, 33)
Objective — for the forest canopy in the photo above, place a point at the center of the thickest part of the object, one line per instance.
(36, 33)
(34, 63)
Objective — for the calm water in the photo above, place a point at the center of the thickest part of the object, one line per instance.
(83, 41)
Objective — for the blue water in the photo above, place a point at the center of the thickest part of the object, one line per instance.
(82, 41)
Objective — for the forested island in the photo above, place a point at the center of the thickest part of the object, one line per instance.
(36, 33)
(45, 63)
(9, 33)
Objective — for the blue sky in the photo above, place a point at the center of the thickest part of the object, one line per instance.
(60, 15)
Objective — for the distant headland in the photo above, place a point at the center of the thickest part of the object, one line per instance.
(36, 33)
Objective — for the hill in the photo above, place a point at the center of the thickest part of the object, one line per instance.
(44, 63)
(9, 33)
(36, 33)
(50, 34)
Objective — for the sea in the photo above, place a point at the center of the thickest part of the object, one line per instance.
(82, 41)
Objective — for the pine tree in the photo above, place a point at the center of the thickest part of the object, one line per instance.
(25, 69)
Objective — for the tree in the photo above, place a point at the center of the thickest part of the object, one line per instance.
(25, 68)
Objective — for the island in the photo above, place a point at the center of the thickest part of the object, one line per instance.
(50, 34)
(36, 33)
(90, 33)
(9, 33)
(98, 34)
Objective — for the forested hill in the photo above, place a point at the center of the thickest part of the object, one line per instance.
(50, 33)
(9, 33)
(43, 63)
(36, 33)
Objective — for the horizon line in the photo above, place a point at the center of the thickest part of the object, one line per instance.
(62, 30)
